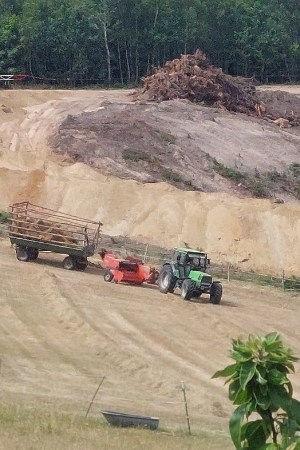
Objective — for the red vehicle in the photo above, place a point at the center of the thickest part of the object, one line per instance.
(128, 270)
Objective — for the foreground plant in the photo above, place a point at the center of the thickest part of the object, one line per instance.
(258, 384)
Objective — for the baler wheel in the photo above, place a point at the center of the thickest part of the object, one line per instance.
(108, 276)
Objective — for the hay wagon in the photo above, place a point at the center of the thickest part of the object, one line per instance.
(34, 228)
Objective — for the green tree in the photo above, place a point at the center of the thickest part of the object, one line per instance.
(259, 385)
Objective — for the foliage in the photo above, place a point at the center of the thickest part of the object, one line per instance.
(165, 137)
(259, 385)
(295, 169)
(4, 217)
(228, 172)
(118, 41)
(135, 155)
(170, 175)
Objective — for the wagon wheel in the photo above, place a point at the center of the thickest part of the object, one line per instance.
(81, 264)
(69, 263)
(22, 254)
(33, 253)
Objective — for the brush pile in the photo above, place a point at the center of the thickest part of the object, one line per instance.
(192, 77)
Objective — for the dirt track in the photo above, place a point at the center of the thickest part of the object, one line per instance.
(62, 331)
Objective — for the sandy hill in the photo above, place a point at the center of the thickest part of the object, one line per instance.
(167, 173)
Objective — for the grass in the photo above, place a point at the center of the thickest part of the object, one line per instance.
(130, 154)
(4, 217)
(295, 169)
(165, 137)
(228, 172)
(170, 175)
(263, 184)
(292, 283)
(27, 428)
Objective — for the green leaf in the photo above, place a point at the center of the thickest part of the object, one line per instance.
(261, 380)
(262, 400)
(276, 377)
(295, 409)
(280, 398)
(255, 434)
(271, 446)
(247, 373)
(235, 425)
(241, 397)
(242, 357)
(294, 446)
(233, 389)
(227, 372)
(272, 337)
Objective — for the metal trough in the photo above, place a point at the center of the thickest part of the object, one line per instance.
(120, 419)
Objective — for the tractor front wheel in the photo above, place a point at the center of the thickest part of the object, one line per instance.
(216, 293)
(166, 280)
(187, 289)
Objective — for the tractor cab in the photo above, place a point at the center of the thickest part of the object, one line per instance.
(187, 259)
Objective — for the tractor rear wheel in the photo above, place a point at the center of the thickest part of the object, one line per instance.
(187, 289)
(166, 280)
(215, 293)
(108, 276)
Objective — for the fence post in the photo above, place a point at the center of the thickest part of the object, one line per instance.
(145, 254)
(283, 280)
(186, 407)
(228, 272)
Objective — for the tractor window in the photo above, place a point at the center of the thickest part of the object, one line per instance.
(195, 262)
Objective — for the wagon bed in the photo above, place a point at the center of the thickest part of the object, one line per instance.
(34, 228)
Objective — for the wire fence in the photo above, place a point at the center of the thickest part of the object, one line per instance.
(231, 272)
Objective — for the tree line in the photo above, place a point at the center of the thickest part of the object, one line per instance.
(116, 42)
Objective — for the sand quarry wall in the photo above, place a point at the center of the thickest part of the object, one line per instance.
(253, 234)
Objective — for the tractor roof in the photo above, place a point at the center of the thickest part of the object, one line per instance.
(189, 250)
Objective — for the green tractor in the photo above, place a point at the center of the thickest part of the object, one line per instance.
(186, 269)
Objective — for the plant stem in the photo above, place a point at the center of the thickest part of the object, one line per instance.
(274, 433)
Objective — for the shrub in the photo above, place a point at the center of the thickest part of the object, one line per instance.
(170, 175)
(135, 155)
(228, 172)
(274, 176)
(165, 137)
(4, 217)
(258, 384)
(259, 190)
(295, 169)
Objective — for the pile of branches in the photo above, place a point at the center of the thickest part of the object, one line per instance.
(192, 77)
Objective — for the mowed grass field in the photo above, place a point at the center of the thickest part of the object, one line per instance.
(62, 331)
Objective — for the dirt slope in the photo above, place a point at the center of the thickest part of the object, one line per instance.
(62, 331)
(263, 234)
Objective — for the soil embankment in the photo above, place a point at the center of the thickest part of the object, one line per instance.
(231, 226)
